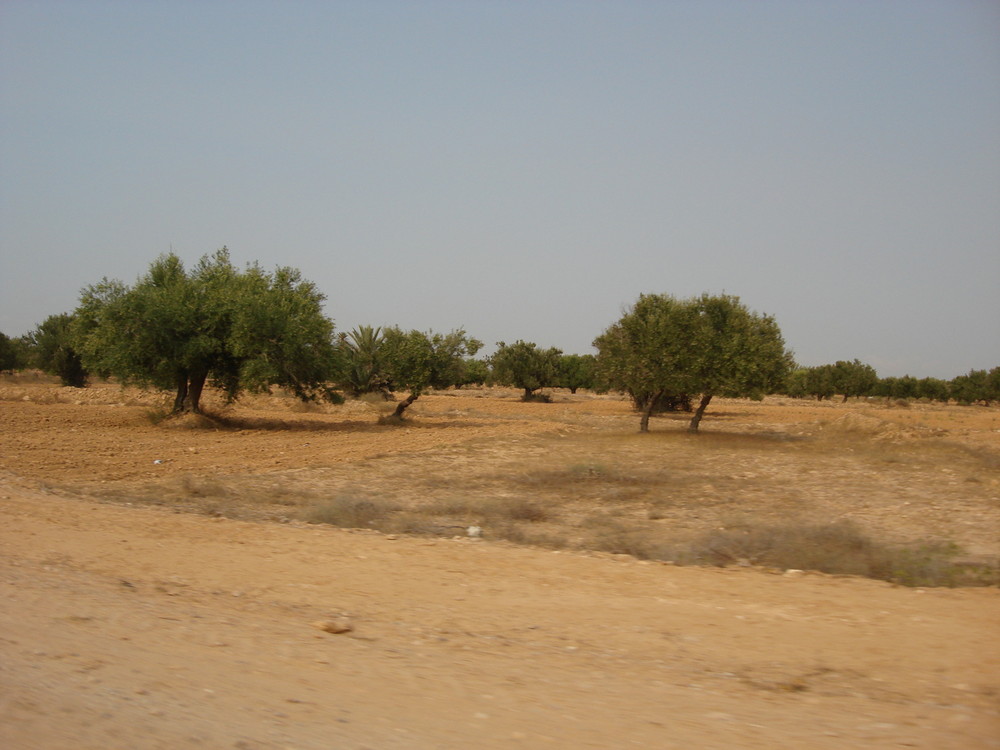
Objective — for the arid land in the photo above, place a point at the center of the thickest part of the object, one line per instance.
(165, 583)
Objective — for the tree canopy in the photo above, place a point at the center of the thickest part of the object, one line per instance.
(12, 356)
(55, 351)
(524, 365)
(235, 329)
(415, 361)
(707, 345)
(576, 371)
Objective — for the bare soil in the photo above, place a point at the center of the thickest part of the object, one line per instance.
(162, 588)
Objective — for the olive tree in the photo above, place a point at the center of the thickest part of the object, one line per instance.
(576, 371)
(12, 354)
(707, 345)
(523, 365)
(977, 386)
(55, 350)
(415, 361)
(819, 382)
(855, 378)
(234, 329)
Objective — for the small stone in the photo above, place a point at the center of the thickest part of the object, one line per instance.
(337, 626)
(794, 573)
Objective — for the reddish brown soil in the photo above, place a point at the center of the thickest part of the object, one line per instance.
(142, 627)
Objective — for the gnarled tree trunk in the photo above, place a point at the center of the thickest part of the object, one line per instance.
(189, 388)
(699, 412)
(647, 410)
(402, 405)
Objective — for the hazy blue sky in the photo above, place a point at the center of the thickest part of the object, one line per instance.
(523, 169)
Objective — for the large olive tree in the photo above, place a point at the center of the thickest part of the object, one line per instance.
(415, 361)
(707, 345)
(234, 329)
(524, 365)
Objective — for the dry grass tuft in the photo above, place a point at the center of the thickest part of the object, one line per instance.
(351, 512)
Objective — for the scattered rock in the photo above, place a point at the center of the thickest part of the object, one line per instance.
(337, 626)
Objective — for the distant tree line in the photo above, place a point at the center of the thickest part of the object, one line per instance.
(856, 380)
(247, 330)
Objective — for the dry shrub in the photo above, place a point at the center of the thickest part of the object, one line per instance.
(512, 532)
(835, 548)
(350, 512)
(641, 542)
(481, 510)
(840, 548)
(197, 487)
(515, 509)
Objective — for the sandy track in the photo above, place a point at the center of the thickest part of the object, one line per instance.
(141, 628)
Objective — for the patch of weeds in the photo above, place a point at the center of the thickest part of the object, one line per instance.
(156, 416)
(196, 487)
(590, 475)
(830, 548)
(350, 512)
(419, 525)
(516, 509)
(934, 564)
(611, 535)
(453, 506)
(512, 532)
(840, 548)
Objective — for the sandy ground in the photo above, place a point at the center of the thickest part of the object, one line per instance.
(141, 627)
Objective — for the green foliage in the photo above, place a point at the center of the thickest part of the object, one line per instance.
(55, 350)
(663, 403)
(797, 383)
(849, 379)
(820, 381)
(978, 386)
(360, 367)
(934, 389)
(415, 361)
(239, 330)
(903, 388)
(708, 345)
(576, 371)
(13, 354)
(475, 372)
(855, 378)
(523, 365)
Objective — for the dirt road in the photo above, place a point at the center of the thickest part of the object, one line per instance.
(141, 628)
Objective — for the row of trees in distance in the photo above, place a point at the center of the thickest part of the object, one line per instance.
(857, 379)
(248, 330)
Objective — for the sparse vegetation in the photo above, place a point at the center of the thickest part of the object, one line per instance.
(350, 512)
(755, 491)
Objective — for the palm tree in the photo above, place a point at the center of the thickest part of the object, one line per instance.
(362, 370)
